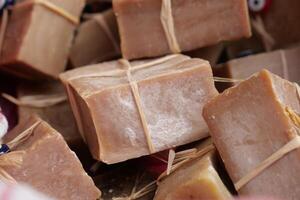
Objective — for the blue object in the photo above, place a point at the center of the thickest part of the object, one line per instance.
(4, 149)
(5, 3)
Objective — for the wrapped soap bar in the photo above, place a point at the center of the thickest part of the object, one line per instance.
(38, 37)
(40, 157)
(159, 27)
(97, 40)
(255, 128)
(281, 62)
(49, 101)
(196, 179)
(127, 110)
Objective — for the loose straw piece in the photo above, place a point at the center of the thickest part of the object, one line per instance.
(284, 65)
(167, 21)
(226, 80)
(171, 158)
(60, 11)
(4, 23)
(259, 27)
(22, 136)
(14, 158)
(103, 24)
(37, 101)
(137, 99)
(289, 147)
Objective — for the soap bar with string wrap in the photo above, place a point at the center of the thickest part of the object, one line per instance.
(284, 63)
(255, 127)
(195, 176)
(127, 110)
(38, 37)
(40, 158)
(97, 40)
(150, 28)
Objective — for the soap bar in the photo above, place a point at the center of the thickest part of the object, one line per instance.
(195, 23)
(197, 179)
(249, 123)
(97, 40)
(49, 101)
(158, 110)
(43, 160)
(38, 39)
(283, 63)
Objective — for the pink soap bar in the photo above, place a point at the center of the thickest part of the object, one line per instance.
(196, 24)
(248, 123)
(47, 164)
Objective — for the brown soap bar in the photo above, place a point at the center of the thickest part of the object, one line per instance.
(47, 163)
(97, 40)
(49, 101)
(284, 63)
(197, 179)
(37, 39)
(160, 109)
(249, 123)
(281, 21)
(196, 24)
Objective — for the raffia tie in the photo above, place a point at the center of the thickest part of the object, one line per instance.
(167, 21)
(14, 158)
(37, 101)
(137, 99)
(58, 10)
(284, 65)
(289, 147)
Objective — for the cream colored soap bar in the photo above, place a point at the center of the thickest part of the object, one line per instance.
(43, 160)
(197, 179)
(38, 39)
(160, 108)
(196, 24)
(249, 123)
(97, 40)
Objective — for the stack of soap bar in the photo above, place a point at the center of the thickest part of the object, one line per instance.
(196, 24)
(160, 108)
(56, 112)
(47, 164)
(284, 63)
(97, 40)
(197, 179)
(37, 40)
(249, 123)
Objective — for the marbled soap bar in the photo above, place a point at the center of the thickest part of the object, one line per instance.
(196, 24)
(46, 163)
(97, 40)
(127, 110)
(249, 123)
(38, 39)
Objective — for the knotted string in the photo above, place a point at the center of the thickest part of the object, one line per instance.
(289, 147)
(167, 21)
